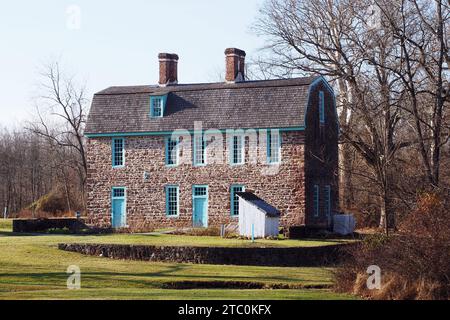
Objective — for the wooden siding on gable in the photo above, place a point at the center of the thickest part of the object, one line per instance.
(321, 154)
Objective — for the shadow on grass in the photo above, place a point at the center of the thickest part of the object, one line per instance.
(15, 234)
(72, 235)
(326, 240)
(143, 278)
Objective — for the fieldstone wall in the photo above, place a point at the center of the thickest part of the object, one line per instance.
(145, 203)
(283, 257)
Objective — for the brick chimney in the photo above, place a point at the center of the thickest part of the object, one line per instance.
(168, 70)
(235, 65)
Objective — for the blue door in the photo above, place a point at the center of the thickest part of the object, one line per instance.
(118, 208)
(200, 206)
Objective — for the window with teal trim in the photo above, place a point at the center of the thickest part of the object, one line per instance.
(273, 146)
(199, 150)
(157, 104)
(237, 149)
(118, 192)
(322, 107)
(118, 152)
(200, 191)
(172, 205)
(235, 199)
(316, 200)
(327, 193)
(172, 151)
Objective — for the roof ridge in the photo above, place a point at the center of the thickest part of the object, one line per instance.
(149, 89)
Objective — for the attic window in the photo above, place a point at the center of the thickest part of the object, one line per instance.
(157, 105)
(322, 107)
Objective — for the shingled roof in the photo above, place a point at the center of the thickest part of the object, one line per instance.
(250, 104)
(253, 199)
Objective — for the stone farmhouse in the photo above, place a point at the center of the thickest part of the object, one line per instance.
(176, 155)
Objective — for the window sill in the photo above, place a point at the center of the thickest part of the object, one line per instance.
(199, 165)
(237, 164)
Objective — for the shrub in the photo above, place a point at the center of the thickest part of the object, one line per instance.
(29, 214)
(210, 231)
(213, 231)
(52, 202)
(414, 263)
(58, 231)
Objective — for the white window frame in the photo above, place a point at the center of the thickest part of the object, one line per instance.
(196, 148)
(177, 152)
(162, 100)
(241, 137)
(114, 152)
(233, 200)
(167, 195)
(270, 158)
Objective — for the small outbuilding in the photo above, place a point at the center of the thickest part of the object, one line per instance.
(344, 224)
(257, 217)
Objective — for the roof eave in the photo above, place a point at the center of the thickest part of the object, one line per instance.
(160, 133)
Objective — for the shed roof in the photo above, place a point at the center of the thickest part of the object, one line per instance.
(251, 104)
(253, 199)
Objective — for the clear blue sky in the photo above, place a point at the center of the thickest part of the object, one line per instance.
(117, 42)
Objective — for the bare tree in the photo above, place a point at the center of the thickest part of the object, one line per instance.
(25, 169)
(422, 31)
(336, 39)
(61, 110)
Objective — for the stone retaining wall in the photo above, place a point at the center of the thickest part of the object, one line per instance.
(284, 257)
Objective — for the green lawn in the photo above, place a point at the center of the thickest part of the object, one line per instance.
(31, 267)
(5, 225)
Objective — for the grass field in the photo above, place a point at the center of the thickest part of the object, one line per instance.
(31, 267)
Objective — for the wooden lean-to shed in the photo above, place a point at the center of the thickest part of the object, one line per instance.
(257, 218)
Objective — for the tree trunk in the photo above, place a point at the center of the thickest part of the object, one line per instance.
(345, 149)
(383, 219)
(345, 154)
(387, 214)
